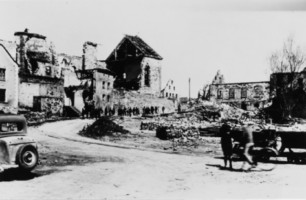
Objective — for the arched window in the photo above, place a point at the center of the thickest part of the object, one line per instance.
(219, 94)
(244, 93)
(231, 93)
(147, 76)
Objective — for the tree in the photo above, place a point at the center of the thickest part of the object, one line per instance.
(286, 65)
(290, 59)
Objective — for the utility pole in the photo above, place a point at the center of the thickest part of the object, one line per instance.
(189, 88)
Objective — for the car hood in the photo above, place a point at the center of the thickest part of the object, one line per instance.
(13, 140)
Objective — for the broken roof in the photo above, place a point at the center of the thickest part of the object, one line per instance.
(143, 47)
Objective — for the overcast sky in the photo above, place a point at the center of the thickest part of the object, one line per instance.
(195, 37)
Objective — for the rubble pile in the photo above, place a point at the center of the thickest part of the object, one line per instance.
(8, 110)
(148, 125)
(36, 117)
(102, 127)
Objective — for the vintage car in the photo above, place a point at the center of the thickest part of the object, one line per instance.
(16, 148)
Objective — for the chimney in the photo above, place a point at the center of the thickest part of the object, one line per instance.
(89, 55)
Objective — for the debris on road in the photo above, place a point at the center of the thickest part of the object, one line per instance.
(102, 127)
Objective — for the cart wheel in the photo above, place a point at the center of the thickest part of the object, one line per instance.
(268, 152)
(27, 158)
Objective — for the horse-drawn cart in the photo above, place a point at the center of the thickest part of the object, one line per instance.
(273, 143)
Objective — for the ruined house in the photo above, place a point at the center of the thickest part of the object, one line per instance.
(169, 91)
(8, 78)
(288, 93)
(245, 95)
(137, 70)
(40, 77)
(136, 65)
(87, 81)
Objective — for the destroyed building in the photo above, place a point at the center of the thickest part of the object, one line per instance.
(288, 92)
(136, 66)
(88, 84)
(137, 69)
(169, 91)
(8, 78)
(55, 83)
(40, 78)
(245, 95)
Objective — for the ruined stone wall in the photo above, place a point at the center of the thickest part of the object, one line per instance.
(103, 87)
(50, 105)
(219, 78)
(256, 94)
(27, 91)
(101, 64)
(155, 76)
(10, 80)
(36, 56)
(78, 100)
(37, 86)
(90, 55)
(66, 60)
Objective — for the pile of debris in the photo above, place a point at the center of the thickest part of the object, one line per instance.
(8, 110)
(170, 132)
(149, 125)
(102, 127)
(35, 117)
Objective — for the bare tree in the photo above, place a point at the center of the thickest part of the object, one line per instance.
(290, 59)
(288, 62)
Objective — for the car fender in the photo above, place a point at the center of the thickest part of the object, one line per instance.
(10, 146)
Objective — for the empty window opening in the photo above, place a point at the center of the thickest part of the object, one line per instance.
(219, 94)
(244, 92)
(2, 74)
(147, 76)
(232, 93)
(2, 95)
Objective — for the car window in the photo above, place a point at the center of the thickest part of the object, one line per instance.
(10, 127)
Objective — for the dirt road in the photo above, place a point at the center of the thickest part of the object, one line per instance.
(74, 167)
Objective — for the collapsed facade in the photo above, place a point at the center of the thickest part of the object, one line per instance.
(137, 69)
(245, 95)
(42, 80)
(136, 66)
(88, 84)
(40, 77)
(288, 92)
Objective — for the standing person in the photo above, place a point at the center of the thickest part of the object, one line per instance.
(226, 144)
(247, 139)
(152, 110)
(163, 109)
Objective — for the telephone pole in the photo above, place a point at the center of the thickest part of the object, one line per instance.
(189, 88)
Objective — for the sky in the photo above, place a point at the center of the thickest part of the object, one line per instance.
(196, 38)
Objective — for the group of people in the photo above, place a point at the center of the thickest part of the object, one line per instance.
(151, 110)
(246, 141)
(89, 111)
(128, 111)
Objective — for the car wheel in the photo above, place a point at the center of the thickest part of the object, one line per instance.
(27, 158)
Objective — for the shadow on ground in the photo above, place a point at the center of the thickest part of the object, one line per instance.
(16, 174)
